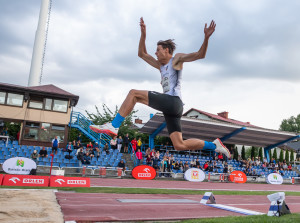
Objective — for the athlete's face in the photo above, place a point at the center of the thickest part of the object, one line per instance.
(161, 53)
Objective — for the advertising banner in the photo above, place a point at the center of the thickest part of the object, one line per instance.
(274, 178)
(143, 172)
(69, 181)
(1, 178)
(18, 165)
(194, 175)
(30, 180)
(238, 177)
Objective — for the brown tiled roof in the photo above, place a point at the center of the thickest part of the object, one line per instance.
(217, 117)
(50, 88)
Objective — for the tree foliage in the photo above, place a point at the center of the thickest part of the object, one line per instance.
(108, 115)
(291, 124)
(261, 155)
(292, 156)
(275, 154)
(281, 156)
(243, 153)
(287, 156)
(236, 153)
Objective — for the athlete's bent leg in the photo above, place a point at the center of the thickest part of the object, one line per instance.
(133, 97)
(197, 144)
(189, 144)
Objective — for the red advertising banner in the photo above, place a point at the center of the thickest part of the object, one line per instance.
(69, 181)
(238, 177)
(1, 178)
(143, 172)
(26, 180)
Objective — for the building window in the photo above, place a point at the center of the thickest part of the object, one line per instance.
(60, 106)
(15, 99)
(36, 103)
(45, 132)
(31, 131)
(48, 104)
(2, 97)
(58, 131)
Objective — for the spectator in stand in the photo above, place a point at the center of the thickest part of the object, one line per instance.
(96, 146)
(290, 168)
(126, 143)
(149, 160)
(89, 145)
(55, 145)
(139, 156)
(69, 148)
(139, 143)
(106, 149)
(43, 153)
(121, 164)
(225, 169)
(79, 137)
(78, 144)
(265, 160)
(155, 161)
(167, 154)
(34, 156)
(252, 161)
(91, 152)
(284, 165)
(181, 166)
(134, 144)
(86, 159)
(113, 143)
(74, 145)
(157, 154)
(97, 152)
(205, 166)
(220, 157)
(119, 143)
(148, 152)
(153, 153)
(193, 163)
(197, 163)
(176, 167)
(80, 156)
(186, 166)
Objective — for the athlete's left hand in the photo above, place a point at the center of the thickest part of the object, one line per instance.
(209, 31)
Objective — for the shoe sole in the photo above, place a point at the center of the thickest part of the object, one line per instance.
(225, 148)
(103, 131)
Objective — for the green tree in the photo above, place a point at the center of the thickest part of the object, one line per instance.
(292, 156)
(261, 155)
(243, 153)
(108, 115)
(291, 124)
(236, 153)
(287, 156)
(270, 153)
(12, 128)
(281, 156)
(275, 154)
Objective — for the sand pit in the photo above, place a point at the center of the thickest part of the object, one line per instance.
(29, 206)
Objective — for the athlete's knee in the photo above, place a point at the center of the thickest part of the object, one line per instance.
(179, 146)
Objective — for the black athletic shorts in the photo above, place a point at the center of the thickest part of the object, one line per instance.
(170, 106)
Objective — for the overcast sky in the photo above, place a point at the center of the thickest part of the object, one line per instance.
(251, 67)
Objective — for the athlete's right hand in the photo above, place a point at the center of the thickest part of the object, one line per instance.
(143, 26)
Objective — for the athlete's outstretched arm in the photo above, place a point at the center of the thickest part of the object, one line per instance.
(180, 58)
(142, 53)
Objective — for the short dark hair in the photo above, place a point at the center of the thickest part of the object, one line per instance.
(169, 43)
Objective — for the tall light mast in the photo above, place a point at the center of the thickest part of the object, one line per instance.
(38, 53)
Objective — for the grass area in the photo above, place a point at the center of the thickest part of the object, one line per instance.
(290, 218)
(117, 190)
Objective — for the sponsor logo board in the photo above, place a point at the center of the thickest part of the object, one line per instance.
(144, 172)
(21, 180)
(238, 177)
(19, 165)
(194, 175)
(69, 182)
(274, 178)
